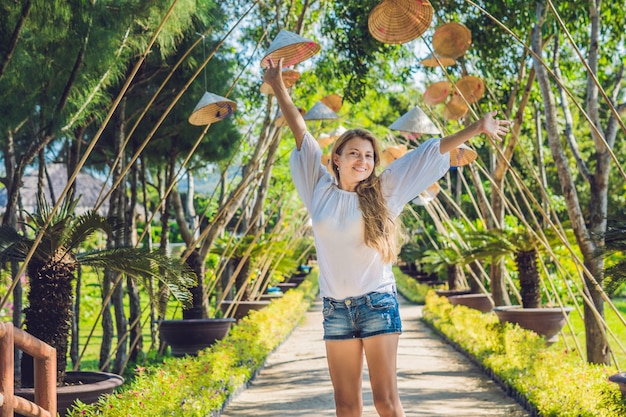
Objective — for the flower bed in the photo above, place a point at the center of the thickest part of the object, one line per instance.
(549, 381)
(201, 386)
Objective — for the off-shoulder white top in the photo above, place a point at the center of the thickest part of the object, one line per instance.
(347, 266)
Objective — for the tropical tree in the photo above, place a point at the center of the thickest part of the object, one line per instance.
(53, 258)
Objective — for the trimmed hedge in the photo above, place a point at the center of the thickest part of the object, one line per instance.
(201, 386)
(550, 381)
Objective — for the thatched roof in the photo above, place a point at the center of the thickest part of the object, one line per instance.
(87, 187)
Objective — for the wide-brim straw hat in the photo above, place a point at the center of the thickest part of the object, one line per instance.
(455, 108)
(415, 121)
(437, 92)
(280, 119)
(437, 61)
(393, 152)
(290, 76)
(333, 101)
(472, 88)
(320, 111)
(452, 40)
(399, 21)
(462, 155)
(211, 108)
(290, 46)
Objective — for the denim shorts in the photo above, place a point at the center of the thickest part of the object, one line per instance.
(360, 317)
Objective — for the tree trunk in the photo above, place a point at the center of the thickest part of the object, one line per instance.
(199, 308)
(134, 301)
(597, 343)
(454, 277)
(529, 280)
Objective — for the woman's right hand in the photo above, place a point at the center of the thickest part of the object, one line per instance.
(273, 74)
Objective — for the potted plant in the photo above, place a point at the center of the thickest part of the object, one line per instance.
(51, 270)
(516, 240)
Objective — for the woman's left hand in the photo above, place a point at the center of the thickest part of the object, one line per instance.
(495, 128)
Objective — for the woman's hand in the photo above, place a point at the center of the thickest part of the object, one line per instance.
(274, 74)
(495, 128)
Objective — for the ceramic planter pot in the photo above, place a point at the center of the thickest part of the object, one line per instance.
(188, 337)
(545, 321)
(242, 308)
(620, 379)
(449, 293)
(82, 385)
(480, 302)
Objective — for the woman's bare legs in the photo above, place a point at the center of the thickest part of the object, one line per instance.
(381, 354)
(345, 363)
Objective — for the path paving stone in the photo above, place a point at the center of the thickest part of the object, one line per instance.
(434, 379)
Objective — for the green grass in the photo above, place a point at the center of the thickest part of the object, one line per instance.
(614, 323)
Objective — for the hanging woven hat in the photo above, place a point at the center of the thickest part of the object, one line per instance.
(415, 121)
(320, 111)
(291, 47)
(211, 108)
(290, 77)
(326, 161)
(399, 21)
(455, 108)
(452, 40)
(437, 61)
(462, 155)
(437, 92)
(472, 88)
(325, 139)
(281, 121)
(333, 101)
(391, 153)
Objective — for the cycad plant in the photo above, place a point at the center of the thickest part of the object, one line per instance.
(55, 260)
(615, 247)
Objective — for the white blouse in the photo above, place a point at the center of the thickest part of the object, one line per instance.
(347, 266)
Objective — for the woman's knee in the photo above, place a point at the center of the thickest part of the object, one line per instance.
(388, 406)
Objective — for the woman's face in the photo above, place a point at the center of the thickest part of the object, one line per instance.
(355, 163)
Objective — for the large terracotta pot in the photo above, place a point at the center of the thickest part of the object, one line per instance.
(188, 337)
(82, 385)
(545, 321)
(242, 308)
(480, 302)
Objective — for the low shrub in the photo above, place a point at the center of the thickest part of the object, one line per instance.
(410, 288)
(201, 385)
(549, 379)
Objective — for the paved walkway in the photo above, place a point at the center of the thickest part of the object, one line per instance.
(434, 379)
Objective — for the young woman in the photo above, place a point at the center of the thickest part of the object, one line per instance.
(353, 211)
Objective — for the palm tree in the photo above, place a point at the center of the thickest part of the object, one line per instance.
(55, 260)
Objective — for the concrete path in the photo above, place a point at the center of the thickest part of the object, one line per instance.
(434, 379)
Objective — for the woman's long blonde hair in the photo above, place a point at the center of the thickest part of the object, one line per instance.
(380, 229)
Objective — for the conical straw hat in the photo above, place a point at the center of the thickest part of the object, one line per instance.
(280, 119)
(455, 108)
(472, 88)
(462, 155)
(290, 77)
(436, 61)
(326, 161)
(399, 21)
(292, 47)
(391, 153)
(452, 40)
(437, 92)
(320, 111)
(333, 101)
(325, 139)
(415, 121)
(211, 108)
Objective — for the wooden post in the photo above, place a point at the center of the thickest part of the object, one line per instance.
(6, 369)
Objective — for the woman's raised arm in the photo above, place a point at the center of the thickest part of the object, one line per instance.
(273, 77)
(489, 125)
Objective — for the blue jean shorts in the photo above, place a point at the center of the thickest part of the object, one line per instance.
(360, 317)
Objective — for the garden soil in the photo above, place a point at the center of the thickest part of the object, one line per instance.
(433, 378)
